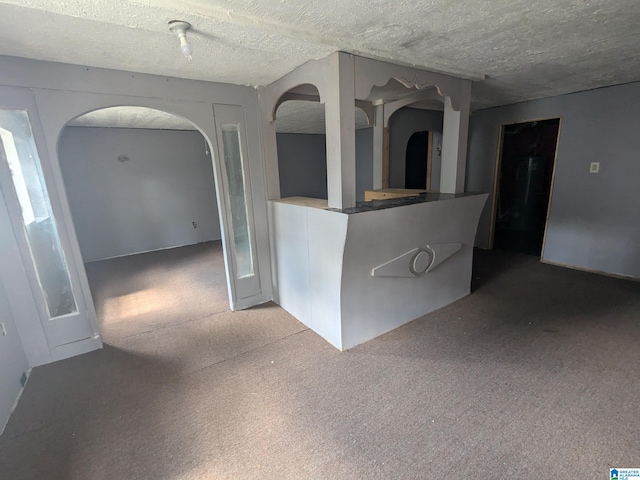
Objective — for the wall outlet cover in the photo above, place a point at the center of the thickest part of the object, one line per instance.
(594, 167)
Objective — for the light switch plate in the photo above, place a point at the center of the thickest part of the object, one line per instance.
(594, 167)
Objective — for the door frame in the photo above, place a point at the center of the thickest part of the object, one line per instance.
(496, 178)
(245, 287)
(80, 327)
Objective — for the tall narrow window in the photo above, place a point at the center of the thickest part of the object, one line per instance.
(51, 268)
(237, 185)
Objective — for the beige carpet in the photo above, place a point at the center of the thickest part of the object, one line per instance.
(139, 293)
(533, 376)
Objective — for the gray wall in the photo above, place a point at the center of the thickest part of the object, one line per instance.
(302, 162)
(146, 203)
(13, 358)
(308, 248)
(594, 219)
(402, 124)
(13, 361)
(364, 161)
(323, 261)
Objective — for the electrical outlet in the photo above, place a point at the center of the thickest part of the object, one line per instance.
(594, 167)
(195, 225)
(3, 329)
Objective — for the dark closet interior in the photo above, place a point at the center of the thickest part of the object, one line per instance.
(415, 175)
(524, 185)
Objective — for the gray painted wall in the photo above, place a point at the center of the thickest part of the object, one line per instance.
(302, 164)
(594, 219)
(371, 306)
(13, 361)
(402, 124)
(436, 161)
(13, 357)
(364, 162)
(18, 308)
(323, 261)
(146, 203)
(308, 251)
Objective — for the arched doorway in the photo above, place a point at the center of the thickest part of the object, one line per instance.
(239, 180)
(141, 190)
(423, 161)
(301, 143)
(300, 126)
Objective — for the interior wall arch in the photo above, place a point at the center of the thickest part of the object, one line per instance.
(308, 91)
(145, 184)
(402, 125)
(56, 109)
(374, 73)
(268, 96)
(302, 155)
(307, 74)
(301, 143)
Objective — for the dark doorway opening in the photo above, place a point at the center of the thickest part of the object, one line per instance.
(527, 159)
(417, 161)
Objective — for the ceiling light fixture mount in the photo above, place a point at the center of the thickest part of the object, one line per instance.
(180, 27)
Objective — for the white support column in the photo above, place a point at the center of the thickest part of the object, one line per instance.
(269, 147)
(378, 146)
(454, 142)
(341, 133)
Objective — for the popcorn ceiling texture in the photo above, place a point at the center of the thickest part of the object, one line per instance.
(132, 117)
(293, 117)
(526, 49)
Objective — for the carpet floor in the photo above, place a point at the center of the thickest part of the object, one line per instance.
(533, 376)
(140, 293)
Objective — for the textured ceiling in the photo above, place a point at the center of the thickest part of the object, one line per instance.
(132, 117)
(292, 117)
(526, 49)
(307, 117)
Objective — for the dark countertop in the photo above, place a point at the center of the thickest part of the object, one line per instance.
(374, 205)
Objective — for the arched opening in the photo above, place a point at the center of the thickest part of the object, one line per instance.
(423, 161)
(364, 154)
(415, 147)
(406, 108)
(302, 148)
(417, 161)
(142, 195)
(301, 141)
